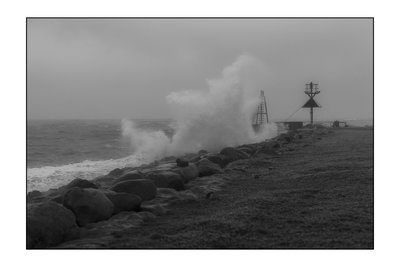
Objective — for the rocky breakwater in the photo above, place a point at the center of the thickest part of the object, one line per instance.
(90, 214)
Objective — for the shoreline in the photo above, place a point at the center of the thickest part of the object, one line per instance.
(195, 191)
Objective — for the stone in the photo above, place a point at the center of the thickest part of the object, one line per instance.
(35, 194)
(144, 188)
(216, 158)
(88, 204)
(49, 224)
(166, 179)
(116, 172)
(124, 201)
(133, 175)
(270, 147)
(81, 183)
(188, 173)
(182, 163)
(59, 199)
(202, 152)
(248, 149)
(232, 154)
(206, 168)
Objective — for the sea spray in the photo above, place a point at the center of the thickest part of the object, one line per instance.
(210, 119)
(218, 116)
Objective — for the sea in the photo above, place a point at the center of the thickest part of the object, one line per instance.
(59, 151)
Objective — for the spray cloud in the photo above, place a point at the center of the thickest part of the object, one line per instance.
(210, 119)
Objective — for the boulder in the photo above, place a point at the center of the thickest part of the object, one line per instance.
(35, 194)
(248, 149)
(216, 158)
(81, 183)
(166, 179)
(116, 172)
(232, 154)
(124, 201)
(144, 188)
(206, 167)
(270, 147)
(133, 175)
(202, 152)
(160, 167)
(188, 173)
(181, 162)
(89, 205)
(49, 224)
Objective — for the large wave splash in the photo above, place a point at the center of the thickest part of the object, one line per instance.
(210, 119)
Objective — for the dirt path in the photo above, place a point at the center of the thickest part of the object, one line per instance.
(318, 194)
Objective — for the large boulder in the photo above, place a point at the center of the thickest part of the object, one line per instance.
(124, 201)
(144, 188)
(49, 224)
(232, 154)
(166, 179)
(270, 147)
(248, 149)
(133, 175)
(181, 162)
(89, 205)
(206, 167)
(188, 173)
(216, 158)
(33, 195)
(159, 167)
(81, 183)
(116, 172)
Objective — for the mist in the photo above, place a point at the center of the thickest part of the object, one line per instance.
(217, 116)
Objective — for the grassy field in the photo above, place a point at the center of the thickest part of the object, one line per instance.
(317, 194)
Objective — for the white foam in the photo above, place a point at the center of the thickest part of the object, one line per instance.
(44, 178)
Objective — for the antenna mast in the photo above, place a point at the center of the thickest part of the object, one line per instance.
(311, 90)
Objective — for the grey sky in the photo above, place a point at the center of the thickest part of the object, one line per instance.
(100, 69)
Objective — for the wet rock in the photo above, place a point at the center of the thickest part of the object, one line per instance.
(58, 199)
(216, 158)
(247, 150)
(105, 180)
(133, 175)
(124, 201)
(188, 173)
(182, 163)
(88, 204)
(232, 154)
(166, 179)
(116, 172)
(81, 183)
(206, 167)
(35, 194)
(49, 224)
(270, 147)
(144, 188)
(202, 152)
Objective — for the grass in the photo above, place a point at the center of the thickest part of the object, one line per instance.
(318, 195)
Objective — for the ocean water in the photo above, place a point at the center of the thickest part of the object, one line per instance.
(59, 151)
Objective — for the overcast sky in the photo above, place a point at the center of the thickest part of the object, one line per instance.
(101, 69)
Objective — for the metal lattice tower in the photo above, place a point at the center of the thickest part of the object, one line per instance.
(261, 116)
(311, 90)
